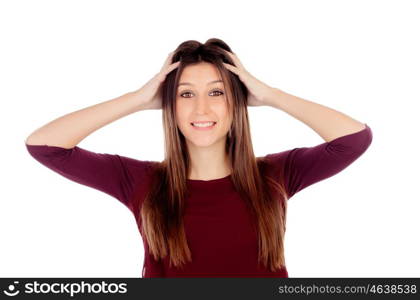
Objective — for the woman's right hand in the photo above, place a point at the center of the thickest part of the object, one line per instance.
(149, 95)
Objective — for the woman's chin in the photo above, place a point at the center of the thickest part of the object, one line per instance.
(202, 142)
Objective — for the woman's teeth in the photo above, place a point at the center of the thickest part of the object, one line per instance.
(203, 124)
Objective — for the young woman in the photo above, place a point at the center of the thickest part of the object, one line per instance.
(210, 208)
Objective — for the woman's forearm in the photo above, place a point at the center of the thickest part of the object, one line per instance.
(327, 122)
(68, 130)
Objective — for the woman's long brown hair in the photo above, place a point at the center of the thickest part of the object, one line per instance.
(161, 214)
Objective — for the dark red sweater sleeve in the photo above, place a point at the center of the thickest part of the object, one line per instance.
(304, 166)
(113, 174)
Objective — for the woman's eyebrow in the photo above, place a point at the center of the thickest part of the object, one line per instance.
(188, 83)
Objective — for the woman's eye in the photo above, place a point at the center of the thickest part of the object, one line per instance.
(219, 93)
(184, 94)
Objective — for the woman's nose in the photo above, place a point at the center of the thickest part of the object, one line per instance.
(202, 104)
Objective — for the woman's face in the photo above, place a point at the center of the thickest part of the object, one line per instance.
(201, 96)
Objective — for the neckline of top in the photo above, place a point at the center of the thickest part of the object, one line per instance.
(218, 185)
(210, 180)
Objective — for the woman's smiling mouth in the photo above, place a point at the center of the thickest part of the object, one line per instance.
(203, 125)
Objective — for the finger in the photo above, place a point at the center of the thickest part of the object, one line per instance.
(168, 57)
(170, 68)
(237, 61)
(231, 68)
(234, 57)
(173, 66)
(168, 60)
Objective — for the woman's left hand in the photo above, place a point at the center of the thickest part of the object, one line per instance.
(258, 91)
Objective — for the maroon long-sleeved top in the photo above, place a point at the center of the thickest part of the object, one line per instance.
(218, 227)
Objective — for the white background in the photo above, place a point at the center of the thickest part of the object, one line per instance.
(358, 57)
